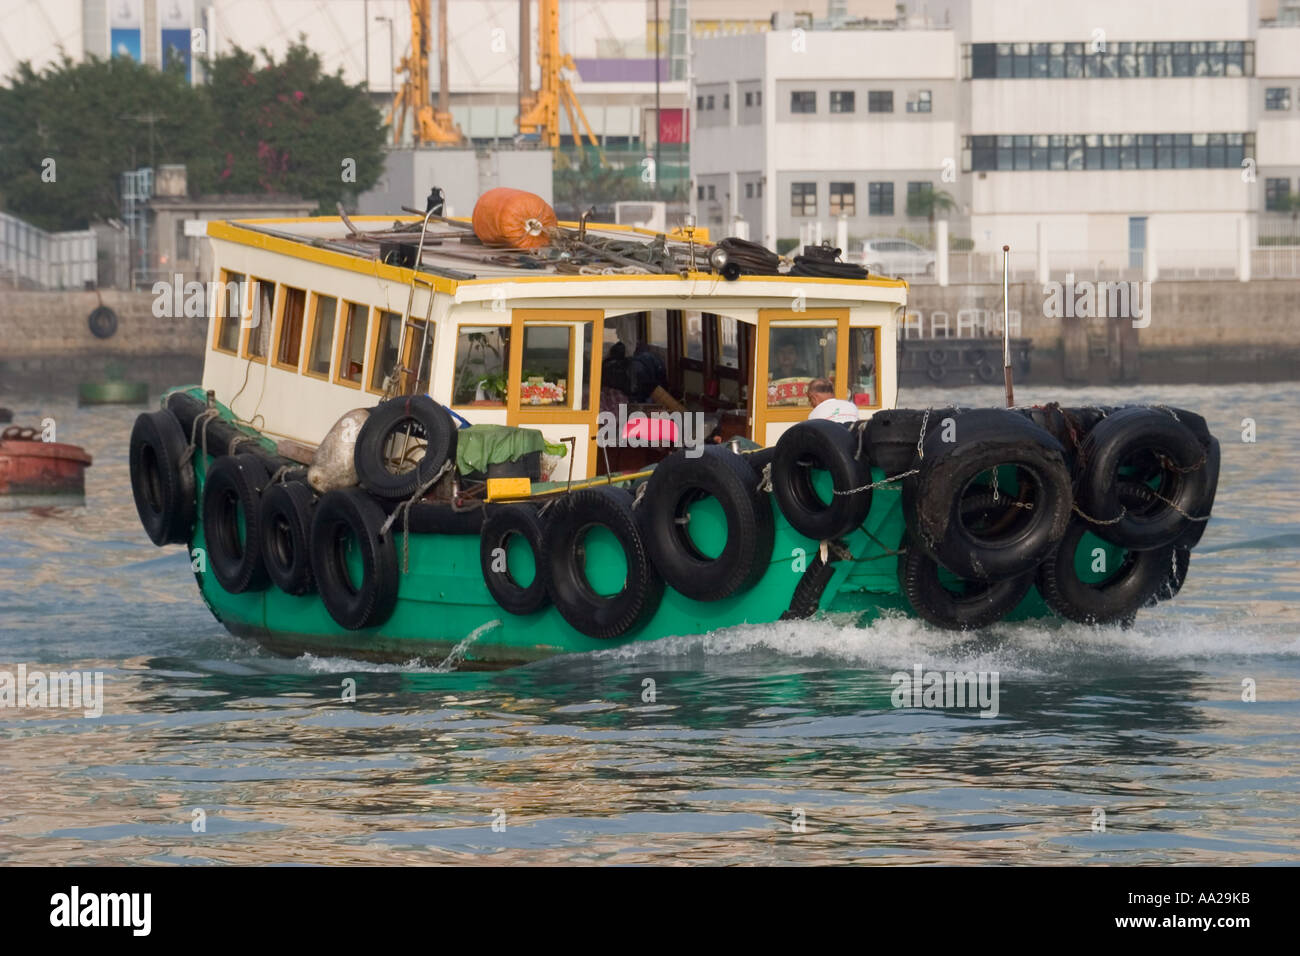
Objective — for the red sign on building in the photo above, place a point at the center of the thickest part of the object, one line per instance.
(674, 125)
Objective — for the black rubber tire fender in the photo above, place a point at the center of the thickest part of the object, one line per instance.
(502, 522)
(286, 536)
(1196, 529)
(986, 372)
(760, 459)
(1117, 599)
(937, 356)
(982, 604)
(103, 322)
(233, 487)
(428, 421)
(1179, 563)
(892, 436)
(936, 373)
(344, 519)
(984, 439)
(437, 517)
(1114, 440)
(163, 488)
(600, 616)
(807, 597)
(830, 446)
(680, 481)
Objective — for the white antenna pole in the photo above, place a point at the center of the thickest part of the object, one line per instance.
(1006, 328)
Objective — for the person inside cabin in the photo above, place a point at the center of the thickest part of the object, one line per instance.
(785, 363)
(821, 396)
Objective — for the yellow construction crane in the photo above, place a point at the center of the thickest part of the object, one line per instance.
(539, 110)
(431, 128)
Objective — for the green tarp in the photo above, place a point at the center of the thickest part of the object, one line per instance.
(481, 445)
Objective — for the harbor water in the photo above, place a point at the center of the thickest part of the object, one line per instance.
(1174, 741)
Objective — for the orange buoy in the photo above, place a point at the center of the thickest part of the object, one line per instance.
(514, 218)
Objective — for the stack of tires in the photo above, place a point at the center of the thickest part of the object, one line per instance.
(1072, 481)
(259, 533)
(651, 532)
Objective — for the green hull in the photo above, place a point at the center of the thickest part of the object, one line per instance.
(446, 615)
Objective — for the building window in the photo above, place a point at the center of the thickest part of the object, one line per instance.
(758, 97)
(749, 98)
(699, 103)
(803, 199)
(1277, 98)
(843, 201)
(1122, 59)
(880, 101)
(919, 102)
(726, 101)
(749, 190)
(1108, 151)
(711, 192)
(1277, 193)
(803, 101)
(841, 101)
(708, 102)
(759, 190)
(699, 192)
(880, 197)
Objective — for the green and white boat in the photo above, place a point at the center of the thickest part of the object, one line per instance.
(408, 444)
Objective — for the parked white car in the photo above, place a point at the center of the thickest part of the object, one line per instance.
(897, 257)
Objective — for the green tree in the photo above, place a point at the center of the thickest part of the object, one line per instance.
(283, 127)
(288, 128)
(928, 203)
(584, 182)
(68, 132)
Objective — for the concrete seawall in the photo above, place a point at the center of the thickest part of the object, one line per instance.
(1199, 331)
(47, 348)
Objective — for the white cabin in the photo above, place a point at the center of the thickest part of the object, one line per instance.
(313, 320)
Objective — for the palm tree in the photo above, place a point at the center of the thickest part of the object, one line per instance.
(929, 202)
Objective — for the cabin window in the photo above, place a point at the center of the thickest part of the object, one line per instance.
(482, 361)
(693, 332)
(728, 343)
(322, 336)
(352, 350)
(386, 345)
(799, 355)
(229, 308)
(864, 387)
(421, 366)
(547, 359)
(291, 320)
(259, 325)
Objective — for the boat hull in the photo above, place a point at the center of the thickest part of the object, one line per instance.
(37, 474)
(445, 613)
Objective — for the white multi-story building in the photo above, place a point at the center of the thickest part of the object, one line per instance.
(1099, 130)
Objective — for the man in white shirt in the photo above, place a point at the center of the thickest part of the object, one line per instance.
(821, 396)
